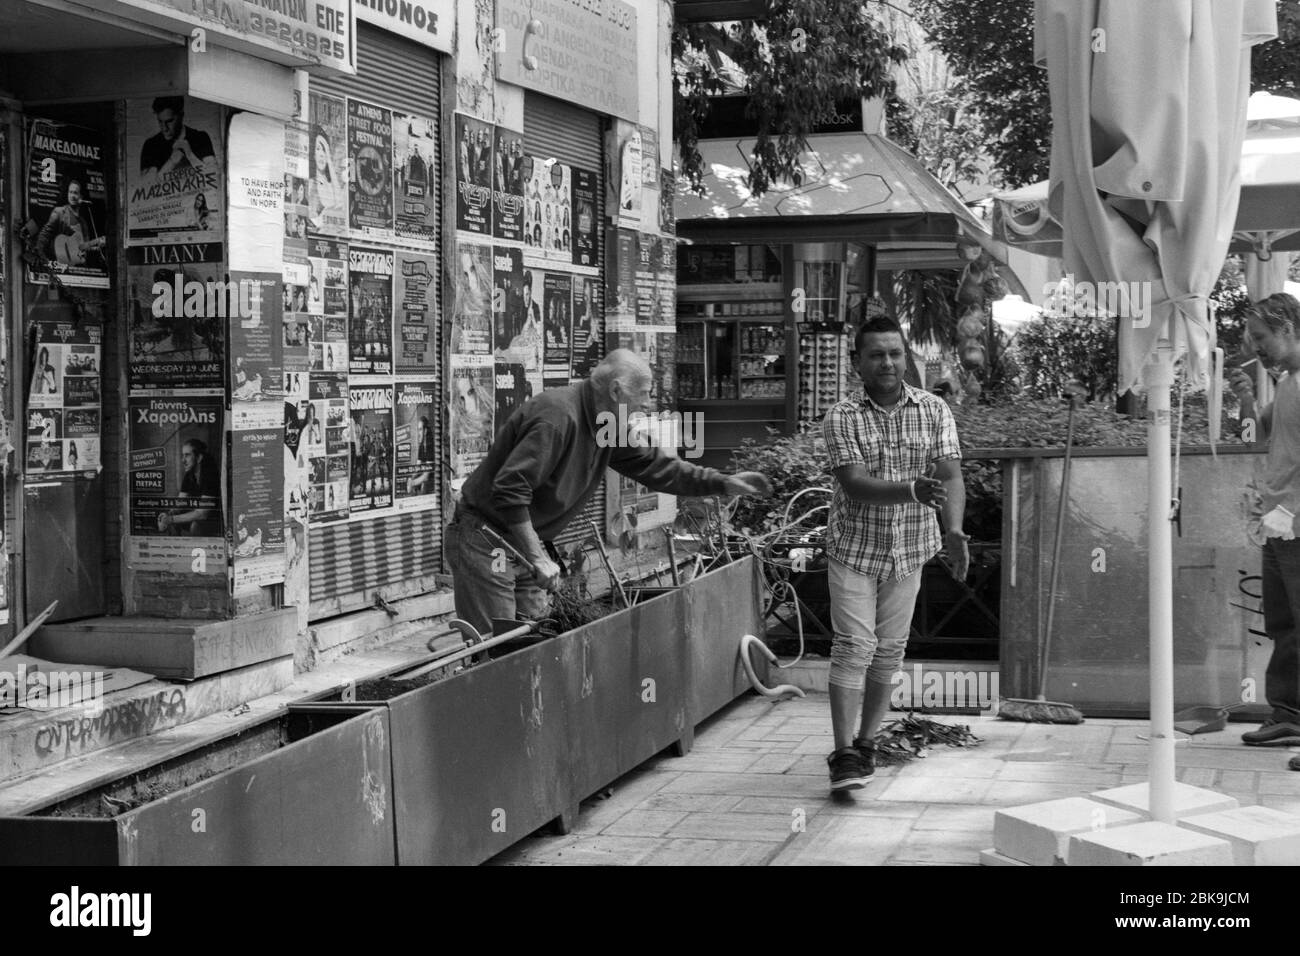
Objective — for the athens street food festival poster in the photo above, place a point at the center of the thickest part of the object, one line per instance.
(370, 179)
(63, 408)
(178, 315)
(67, 203)
(175, 183)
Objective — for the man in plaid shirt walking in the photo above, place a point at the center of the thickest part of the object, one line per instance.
(897, 463)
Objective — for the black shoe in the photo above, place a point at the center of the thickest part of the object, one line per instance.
(1293, 763)
(867, 751)
(1273, 733)
(848, 771)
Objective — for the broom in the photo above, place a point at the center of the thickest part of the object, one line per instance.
(1042, 710)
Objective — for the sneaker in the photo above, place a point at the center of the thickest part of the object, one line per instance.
(848, 771)
(1273, 733)
(1293, 763)
(867, 751)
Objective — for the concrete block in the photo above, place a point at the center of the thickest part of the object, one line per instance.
(1148, 844)
(168, 647)
(1260, 836)
(1187, 800)
(994, 858)
(1039, 834)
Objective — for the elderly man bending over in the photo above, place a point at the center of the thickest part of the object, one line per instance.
(543, 466)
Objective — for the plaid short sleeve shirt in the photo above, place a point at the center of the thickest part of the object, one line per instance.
(887, 541)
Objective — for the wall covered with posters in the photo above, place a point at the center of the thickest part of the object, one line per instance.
(362, 327)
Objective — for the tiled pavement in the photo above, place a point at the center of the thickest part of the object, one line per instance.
(754, 791)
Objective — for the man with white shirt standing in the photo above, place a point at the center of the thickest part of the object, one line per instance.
(1274, 327)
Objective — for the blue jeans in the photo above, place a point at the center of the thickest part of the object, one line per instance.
(481, 592)
(872, 621)
(1281, 619)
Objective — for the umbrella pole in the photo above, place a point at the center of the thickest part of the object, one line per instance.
(1159, 375)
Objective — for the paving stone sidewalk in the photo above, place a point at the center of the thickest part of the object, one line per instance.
(754, 791)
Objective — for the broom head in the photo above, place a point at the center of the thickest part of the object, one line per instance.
(1039, 711)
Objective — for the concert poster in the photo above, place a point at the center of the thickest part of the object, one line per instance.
(473, 152)
(325, 446)
(557, 324)
(471, 318)
(415, 143)
(175, 187)
(508, 185)
(256, 352)
(67, 201)
(175, 458)
(63, 408)
(257, 504)
(470, 406)
(371, 438)
(370, 321)
(327, 304)
(587, 325)
(180, 307)
(417, 312)
(584, 218)
(416, 444)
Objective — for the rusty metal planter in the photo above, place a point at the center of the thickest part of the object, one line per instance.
(489, 755)
(325, 797)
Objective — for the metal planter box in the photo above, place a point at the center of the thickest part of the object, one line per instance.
(320, 792)
(489, 755)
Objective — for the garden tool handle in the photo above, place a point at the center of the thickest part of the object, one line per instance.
(497, 540)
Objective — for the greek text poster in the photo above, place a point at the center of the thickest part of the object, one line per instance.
(417, 313)
(175, 177)
(175, 457)
(67, 200)
(256, 352)
(257, 503)
(416, 444)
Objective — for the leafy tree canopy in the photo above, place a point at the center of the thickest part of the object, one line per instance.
(803, 58)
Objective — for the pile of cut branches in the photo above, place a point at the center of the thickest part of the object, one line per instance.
(906, 738)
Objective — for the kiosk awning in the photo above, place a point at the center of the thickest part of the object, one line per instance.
(856, 186)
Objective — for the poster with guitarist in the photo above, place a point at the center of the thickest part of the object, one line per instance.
(67, 204)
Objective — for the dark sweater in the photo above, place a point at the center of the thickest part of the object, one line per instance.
(545, 464)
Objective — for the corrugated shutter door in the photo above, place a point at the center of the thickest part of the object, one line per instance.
(352, 561)
(574, 136)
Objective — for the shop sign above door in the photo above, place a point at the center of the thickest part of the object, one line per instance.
(430, 22)
(303, 33)
(583, 52)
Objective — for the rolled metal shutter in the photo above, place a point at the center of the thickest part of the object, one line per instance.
(574, 136)
(351, 562)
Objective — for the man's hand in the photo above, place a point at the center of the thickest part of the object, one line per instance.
(748, 483)
(546, 572)
(1242, 385)
(958, 553)
(930, 492)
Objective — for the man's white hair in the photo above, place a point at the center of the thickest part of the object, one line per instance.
(623, 366)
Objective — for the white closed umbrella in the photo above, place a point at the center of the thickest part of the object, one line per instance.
(1149, 114)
